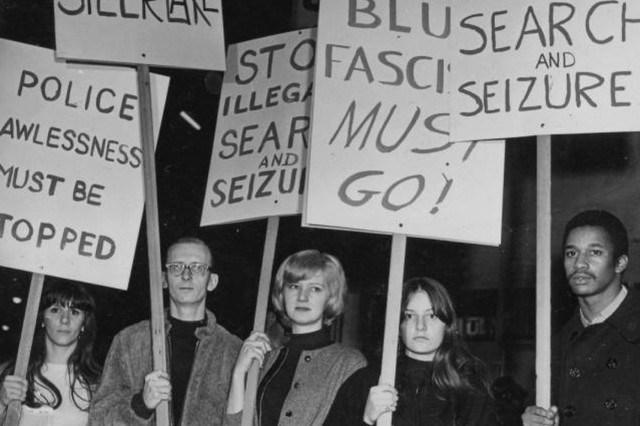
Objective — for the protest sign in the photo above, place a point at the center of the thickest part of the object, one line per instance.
(71, 185)
(258, 162)
(381, 160)
(172, 33)
(543, 67)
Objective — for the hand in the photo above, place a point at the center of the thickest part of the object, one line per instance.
(14, 388)
(157, 388)
(533, 416)
(254, 348)
(382, 399)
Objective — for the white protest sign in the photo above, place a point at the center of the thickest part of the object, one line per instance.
(172, 33)
(543, 67)
(71, 188)
(380, 158)
(258, 162)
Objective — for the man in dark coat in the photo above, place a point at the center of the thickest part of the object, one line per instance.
(596, 362)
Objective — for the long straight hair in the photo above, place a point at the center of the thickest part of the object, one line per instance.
(456, 371)
(82, 368)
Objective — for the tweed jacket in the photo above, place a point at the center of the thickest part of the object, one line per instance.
(129, 361)
(596, 369)
(319, 374)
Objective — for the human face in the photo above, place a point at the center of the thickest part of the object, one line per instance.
(305, 302)
(421, 330)
(63, 325)
(590, 265)
(187, 290)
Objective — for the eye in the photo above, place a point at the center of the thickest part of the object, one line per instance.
(54, 309)
(596, 252)
(198, 268)
(431, 316)
(409, 316)
(317, 289)
(75, 312)
(569, 253)
(292, 286)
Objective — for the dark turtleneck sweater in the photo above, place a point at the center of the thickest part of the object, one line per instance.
(275, 385)
(182, 351)
(183, 340)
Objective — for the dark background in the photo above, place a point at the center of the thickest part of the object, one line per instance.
(183, 157)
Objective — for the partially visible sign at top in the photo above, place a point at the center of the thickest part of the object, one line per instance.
(171, 33)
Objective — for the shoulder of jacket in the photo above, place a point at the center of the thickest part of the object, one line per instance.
(346, 354)
(135, 330)
(227, 337)
(627, 318)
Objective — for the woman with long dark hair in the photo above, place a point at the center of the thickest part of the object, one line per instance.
(438, 381)
(62, 372)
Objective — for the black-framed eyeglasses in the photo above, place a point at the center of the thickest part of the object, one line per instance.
(195, 269)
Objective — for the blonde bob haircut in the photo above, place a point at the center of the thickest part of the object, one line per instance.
(304, 265)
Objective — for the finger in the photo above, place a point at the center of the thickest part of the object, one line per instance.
(257, 336)
(152, 376)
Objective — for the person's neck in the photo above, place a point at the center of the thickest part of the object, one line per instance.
(187, 312)
(58, 354)
(419, 357)
(592, 305)
(305, 329)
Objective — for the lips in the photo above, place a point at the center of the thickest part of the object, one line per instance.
(580, 277)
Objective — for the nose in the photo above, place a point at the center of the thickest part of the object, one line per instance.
(421, 322)
(303, 295)
(580, 262)
(65, 316)
(186, 274)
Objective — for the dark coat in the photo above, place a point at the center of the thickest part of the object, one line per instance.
(596, 370)
(418, 403)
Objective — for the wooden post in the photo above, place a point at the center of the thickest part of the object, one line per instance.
(268, 255)
(392, 317)
(14, 410)
(158, 348)
(543, 273)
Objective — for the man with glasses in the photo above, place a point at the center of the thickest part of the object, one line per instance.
(201, 353)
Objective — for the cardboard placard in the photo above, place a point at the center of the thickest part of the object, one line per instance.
(71, 186)
(258, 163)
(541, 67)
(171, 33)
(380, 159)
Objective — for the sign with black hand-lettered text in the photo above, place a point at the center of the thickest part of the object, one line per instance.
(171, 33)
(380, 158)
(544, 67)
(71, 188)
(258, 162)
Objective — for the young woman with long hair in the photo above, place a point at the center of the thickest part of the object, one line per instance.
(62, 372)
(438, 381)
(299, 380)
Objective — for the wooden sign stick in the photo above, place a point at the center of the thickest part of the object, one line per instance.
(14, 410)
(261, 313)
(392, 317)
(153, 234)
(543, 273)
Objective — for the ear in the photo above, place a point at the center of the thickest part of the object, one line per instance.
(213, 282)
(621, 263)
(164, 280)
